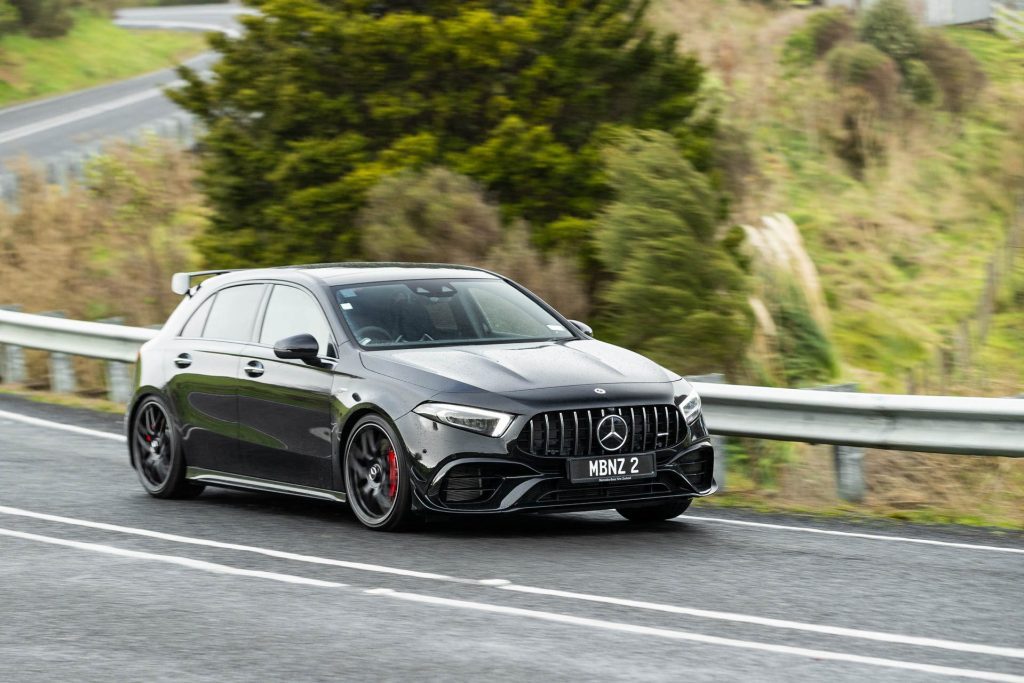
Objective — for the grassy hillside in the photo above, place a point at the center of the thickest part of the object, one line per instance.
(913, 251)
(94, 52)
(920, 253)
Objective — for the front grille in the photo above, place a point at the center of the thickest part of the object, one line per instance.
(571, 433)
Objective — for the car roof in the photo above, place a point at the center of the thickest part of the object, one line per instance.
(333, 274)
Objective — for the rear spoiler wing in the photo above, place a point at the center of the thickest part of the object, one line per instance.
(181, 283)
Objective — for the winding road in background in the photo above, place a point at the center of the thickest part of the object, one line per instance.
(102, 582)
(82, 120)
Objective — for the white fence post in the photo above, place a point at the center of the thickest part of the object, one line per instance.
(848, 461)
(12, 358)
(119, 376)
(62, 369)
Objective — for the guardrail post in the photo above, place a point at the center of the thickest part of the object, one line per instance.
(12, 359)
(62, 369)
(848, 461)
(119, 377)
(717, 442)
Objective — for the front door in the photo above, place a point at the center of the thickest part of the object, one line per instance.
(284, 406)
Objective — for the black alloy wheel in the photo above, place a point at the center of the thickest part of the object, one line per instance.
(156, 452)
(377, 482)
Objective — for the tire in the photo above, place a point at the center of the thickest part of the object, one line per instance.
(155, 447)
(657, 512)
(378, 485)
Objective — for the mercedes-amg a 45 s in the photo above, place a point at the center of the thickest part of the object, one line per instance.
(404, 389)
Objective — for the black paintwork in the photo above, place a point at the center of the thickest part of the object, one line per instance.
(242, 410)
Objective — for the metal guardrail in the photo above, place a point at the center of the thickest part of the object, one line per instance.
(932, 424)
(936, 424)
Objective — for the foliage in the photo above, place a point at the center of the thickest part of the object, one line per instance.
(320, 100)
(44, 18)
(823, 31)
(95, 51)
(805, 352)
(107, 247)
(677, 294)
(442, 217)
(864, 66)
(957, 72)
(920, 82)
(9, 17)
(889, 26)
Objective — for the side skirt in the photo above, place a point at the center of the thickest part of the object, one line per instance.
(239, 481)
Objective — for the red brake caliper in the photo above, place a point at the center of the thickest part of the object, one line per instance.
(392, 473)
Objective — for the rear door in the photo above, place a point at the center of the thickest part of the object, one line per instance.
(203, 363)
(284, 406)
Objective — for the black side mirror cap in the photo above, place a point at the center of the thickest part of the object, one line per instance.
(301, 347)
(583, 327)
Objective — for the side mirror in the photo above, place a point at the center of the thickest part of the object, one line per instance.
(302, 347)
(583, 327)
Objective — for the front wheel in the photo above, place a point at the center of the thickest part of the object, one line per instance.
(156, 452)
(656, 512)
(378, 486)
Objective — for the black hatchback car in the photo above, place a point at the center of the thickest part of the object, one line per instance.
(405, 389)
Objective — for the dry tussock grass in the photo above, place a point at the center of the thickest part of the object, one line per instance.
(105, 247)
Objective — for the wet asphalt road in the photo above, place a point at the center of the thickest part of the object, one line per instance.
(252, 586)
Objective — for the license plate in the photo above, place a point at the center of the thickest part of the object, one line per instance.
(611, 468)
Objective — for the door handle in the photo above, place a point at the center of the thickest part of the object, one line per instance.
(183, 360)
(254, 368)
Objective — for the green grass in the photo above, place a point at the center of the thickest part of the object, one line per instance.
(94, 52)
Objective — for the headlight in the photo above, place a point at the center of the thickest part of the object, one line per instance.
(690, 407)
(489, 422)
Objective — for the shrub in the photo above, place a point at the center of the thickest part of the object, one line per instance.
(957, 72)
(676, 293)
(921, 84)
(823, 31)
(865, 67)
(890, 27)
(44, 18)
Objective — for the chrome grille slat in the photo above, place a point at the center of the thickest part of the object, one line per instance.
(651, 428)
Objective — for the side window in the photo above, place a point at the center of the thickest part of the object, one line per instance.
(292, 311)
(194, 327)
(234, 313)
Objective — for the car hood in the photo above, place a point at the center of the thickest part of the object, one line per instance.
(505, 368)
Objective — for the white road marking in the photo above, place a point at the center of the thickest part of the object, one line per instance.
(83, 113)
(675, 634)
(779, 623)
(556, 617)
(362, 566)
(37, 422)
(507, 585)
(172, 559)
(851, 534)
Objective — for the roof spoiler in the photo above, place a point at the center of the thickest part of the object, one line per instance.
(181, 283)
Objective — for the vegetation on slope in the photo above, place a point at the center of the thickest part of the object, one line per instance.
(94, 51)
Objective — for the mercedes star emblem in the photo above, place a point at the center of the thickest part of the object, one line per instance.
(612, 431)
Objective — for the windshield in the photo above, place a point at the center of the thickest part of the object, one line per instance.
(444, 313)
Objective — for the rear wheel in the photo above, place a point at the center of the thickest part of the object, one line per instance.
(377, 482)
(156, 452)
(657, 512)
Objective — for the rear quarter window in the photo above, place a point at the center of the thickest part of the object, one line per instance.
(233, 313)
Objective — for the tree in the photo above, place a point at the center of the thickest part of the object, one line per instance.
(678, 293)
(890, 27)
(320, 99)
(44, 18)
